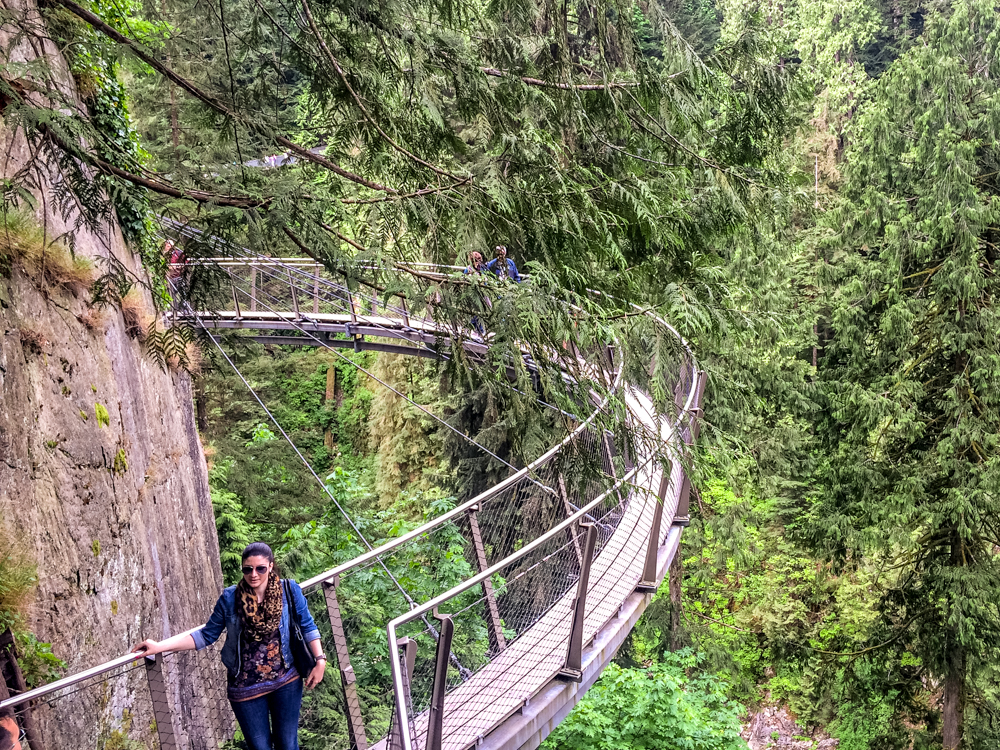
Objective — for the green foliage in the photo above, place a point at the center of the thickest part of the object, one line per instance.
(234, 531)
(120, 464)
(95, 64)
(101, 413)
(656, 707)
(37, 662)
(18, 580)
(910, 376)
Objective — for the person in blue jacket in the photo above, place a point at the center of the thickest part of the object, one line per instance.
(265, 690)
(503, 266)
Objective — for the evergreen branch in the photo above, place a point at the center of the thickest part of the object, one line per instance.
(198, 196)
(567, 86)
(213, 102)
(725, 624)
(418, 194)
(877, 647)
(364, 110)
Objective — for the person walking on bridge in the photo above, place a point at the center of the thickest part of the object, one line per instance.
(502, 266)
(269, 637)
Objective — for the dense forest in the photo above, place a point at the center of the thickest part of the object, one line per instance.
(809, 191)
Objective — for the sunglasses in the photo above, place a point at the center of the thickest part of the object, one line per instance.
(248, 569)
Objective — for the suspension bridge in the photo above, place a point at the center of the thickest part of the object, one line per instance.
(563, 555)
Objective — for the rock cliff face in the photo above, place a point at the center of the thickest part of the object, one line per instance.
(103, 478)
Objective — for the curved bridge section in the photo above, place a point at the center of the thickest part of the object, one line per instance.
(555, 564)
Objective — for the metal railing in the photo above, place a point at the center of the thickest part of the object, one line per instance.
(525, 542)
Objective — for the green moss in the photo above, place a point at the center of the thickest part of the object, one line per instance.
(83, 415)
(103, 418)
(114, 606)
(51, 444)
(95, 547)
(66, 391)
(120, 465)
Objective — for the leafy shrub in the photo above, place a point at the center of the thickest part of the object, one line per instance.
(655, 707)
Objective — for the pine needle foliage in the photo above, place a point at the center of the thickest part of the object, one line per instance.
(911, 375)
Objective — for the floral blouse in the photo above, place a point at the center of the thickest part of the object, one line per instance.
(262, 670)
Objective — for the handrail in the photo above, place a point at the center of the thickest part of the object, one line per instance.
(75, 679)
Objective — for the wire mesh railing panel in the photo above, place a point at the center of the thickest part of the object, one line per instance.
(534, 595)
(112, 711)
(193, 699)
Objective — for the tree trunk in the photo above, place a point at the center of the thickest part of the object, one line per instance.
(953, 711)
(676, 574)
(331, 392)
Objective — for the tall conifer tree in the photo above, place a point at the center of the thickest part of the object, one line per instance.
(913, 371)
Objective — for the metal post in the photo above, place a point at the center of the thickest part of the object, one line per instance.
(561, 484)
(495, 632)
(690, 433)
(316, 290)
(435, 719)
(237, 303)
(355, 722)
(253, 287)
(158, 696)
(409, 660)
(295, 298)
(354, 320)
(406, 314)
(573, 670)
(647, 584)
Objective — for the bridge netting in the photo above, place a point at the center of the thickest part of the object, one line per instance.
(547, 570)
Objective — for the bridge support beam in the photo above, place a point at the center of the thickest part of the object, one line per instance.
(295, 297)
(573, 669)
(647, 584)
(355, 722)
(495, 632)
(158, 698)
(435, 717)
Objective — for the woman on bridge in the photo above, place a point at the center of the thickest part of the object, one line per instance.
(263, 617)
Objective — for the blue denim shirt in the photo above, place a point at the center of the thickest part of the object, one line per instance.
(511, 269)
(225, 617)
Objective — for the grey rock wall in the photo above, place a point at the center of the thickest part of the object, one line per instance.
(117, 517)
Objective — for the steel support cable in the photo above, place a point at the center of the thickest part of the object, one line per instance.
(463, 671)
(423, 409)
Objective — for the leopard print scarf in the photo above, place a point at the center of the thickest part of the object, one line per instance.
(260, 620)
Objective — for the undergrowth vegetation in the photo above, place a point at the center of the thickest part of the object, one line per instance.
(17, 587)
(40, 255)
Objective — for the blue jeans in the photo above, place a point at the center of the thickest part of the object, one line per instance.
(272, 718)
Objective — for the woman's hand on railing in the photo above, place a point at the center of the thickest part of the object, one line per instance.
(180, 642)
(148, 647)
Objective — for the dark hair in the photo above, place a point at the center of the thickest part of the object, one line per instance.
(256, 549)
